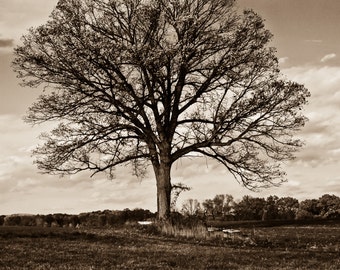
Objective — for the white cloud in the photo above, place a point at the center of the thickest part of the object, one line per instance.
(328, 57)
(293, 183)
(283, 60)
(324, 85)
(323, 129)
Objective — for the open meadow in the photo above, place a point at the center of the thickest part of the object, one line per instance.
(133, 247)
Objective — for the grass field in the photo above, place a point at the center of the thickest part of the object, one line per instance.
(283, 247)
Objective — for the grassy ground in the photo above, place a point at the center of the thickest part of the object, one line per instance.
(290, 247)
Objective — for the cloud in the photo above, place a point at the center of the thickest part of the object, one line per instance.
(283, 60)
(323, 129)
(41, 193)
(4, 43)
(328, 57)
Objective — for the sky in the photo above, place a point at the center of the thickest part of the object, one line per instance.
(307, 38)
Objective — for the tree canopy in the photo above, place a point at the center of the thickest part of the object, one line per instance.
(152, 81)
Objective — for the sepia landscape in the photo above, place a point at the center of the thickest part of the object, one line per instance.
(182, 134)
(219, 233)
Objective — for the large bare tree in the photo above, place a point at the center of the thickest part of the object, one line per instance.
(152, 81)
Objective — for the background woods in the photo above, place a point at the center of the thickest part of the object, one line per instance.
(224, 207)
(220, 208)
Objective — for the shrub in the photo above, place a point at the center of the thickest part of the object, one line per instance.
(303, 214)
(13, 220)
(27, 221)
(2, 220)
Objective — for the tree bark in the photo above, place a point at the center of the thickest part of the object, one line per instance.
(163, 179)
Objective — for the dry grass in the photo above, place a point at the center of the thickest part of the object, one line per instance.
(197, 231)
(276, 248)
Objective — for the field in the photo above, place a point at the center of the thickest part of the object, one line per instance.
(279, 247)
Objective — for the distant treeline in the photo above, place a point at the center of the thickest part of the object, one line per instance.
(224, 207)
(92, 219)
(220, 208)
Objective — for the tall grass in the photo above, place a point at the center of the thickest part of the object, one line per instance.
(187, 227)
(197, 231)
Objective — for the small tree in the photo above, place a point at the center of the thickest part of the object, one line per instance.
(250, 208)
(149, 82)
(287, 208)
(223, 204)
(191, 207)
(329, 206)
(176, 190)
(308, 209)
(208, 206)
(271, 208)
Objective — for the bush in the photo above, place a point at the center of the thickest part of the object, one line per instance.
(13, 220)
(27, 221)
(39, 221)
(48, 219)
(136, 215)
(303, 214)
(2, 220)
(90, 219)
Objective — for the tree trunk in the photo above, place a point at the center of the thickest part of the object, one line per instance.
(163, 179)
